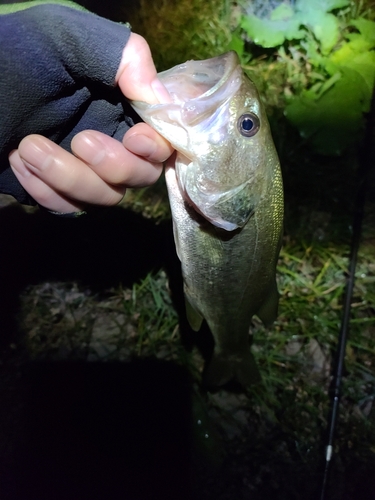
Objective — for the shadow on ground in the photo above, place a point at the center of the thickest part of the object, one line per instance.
(107, 430)
(103, 249)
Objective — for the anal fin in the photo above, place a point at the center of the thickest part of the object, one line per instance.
(267, 312)
(195, 319)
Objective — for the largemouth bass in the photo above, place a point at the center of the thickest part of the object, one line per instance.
(226, 196)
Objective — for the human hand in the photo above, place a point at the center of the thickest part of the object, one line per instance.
(101, 167)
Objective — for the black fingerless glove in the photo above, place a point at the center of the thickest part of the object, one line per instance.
(58, 65)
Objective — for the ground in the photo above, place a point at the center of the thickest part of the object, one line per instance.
(85, 300)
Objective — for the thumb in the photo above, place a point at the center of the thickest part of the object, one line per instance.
(137, 76)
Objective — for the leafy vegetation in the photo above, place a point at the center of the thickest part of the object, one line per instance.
(330, 42)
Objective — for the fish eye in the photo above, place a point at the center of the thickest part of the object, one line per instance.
(248, 124)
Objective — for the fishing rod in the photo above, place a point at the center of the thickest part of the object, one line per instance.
(367, 158)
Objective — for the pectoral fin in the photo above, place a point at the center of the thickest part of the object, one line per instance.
(268, 310)
(195, 319)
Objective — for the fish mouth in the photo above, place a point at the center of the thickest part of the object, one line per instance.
(199, 79)
(229, 210)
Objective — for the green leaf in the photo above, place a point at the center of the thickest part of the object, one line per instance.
(311, 48)
(335, 4)
(333, 121)
(282, 12)
(328, 84)
(269, 33)
(366, 28)
(321, 5)
(364, 64)
(262, 32)
(324, 26)
(236, 44)
(326, 30)
(349, 50)
(355, 56)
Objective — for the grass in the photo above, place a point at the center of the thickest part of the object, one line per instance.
(151, 202)
(177, 31)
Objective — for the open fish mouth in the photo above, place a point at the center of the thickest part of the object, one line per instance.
(203, 123)
(200, 80)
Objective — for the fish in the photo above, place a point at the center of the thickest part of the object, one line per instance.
(225, 190)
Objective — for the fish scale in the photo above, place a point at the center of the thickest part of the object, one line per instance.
(226, 195)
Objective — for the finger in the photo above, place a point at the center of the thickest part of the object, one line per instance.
(137, 76)
(39, 190)
(135, 163)
(144, 141)
(65, 174)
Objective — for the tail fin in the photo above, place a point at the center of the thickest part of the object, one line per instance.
(221, 370)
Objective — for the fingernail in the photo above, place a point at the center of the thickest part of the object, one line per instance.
(89, 148)
(17, 164)
(140, 145)
(161, 93)
(36, 153)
